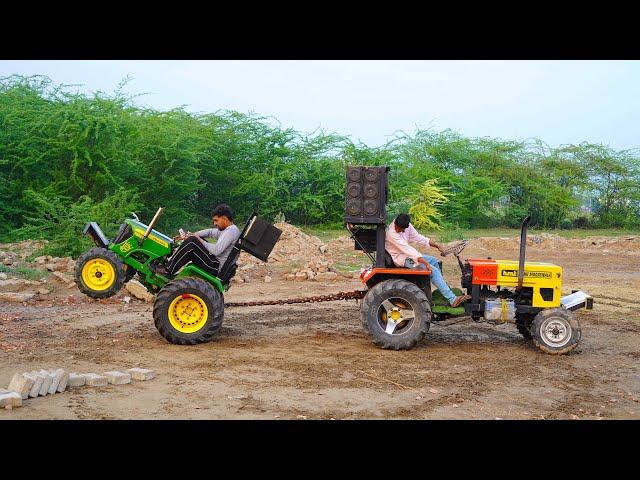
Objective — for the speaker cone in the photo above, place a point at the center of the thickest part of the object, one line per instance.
(370, 207)
(370, 190)
(371, 174)
(354, 207)
(354, 189)
(353, 174)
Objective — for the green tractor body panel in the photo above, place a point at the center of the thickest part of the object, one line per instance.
(194, 271)
(157, 245)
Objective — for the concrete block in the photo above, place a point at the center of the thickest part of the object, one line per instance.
(76, 380)
(57, 376)
(63, 378)
(10, 400)
(21, 384)
(141, 374)
(48, 379)
(37, 378)
(118, 378)
(94, 380)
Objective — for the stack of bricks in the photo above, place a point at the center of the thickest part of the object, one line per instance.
(46, 382)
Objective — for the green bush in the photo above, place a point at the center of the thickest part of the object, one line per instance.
(67, 158)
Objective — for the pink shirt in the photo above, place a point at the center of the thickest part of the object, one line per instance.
(397, 244)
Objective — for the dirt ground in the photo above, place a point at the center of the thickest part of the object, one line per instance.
(315, 361)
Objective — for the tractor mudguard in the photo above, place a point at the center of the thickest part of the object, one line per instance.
(93, 230)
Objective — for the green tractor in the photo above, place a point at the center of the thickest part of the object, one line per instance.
(188, 308)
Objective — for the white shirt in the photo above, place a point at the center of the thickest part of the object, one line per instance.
(397, 244)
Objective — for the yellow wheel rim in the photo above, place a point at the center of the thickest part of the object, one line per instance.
(98, 274)
(188, 313)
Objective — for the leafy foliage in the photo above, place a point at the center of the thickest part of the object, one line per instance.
(425, 205)
(67, 158)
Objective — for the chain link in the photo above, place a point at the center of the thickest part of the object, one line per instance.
(355, 295)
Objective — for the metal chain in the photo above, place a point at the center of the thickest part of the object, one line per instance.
(355, 295)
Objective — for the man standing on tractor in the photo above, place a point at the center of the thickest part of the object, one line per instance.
(398, 236)
(209, 256)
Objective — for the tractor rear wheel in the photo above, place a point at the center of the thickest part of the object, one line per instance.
(396, 313)
(556, 331)
(99, 273)
(188, 310)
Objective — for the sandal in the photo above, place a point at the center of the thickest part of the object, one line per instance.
(459, 300)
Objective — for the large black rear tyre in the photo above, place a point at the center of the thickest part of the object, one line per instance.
(556, 331)
(188, 311)
(99, 273)
(402, 302)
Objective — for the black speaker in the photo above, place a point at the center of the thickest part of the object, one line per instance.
(366, 195)
(259, 238)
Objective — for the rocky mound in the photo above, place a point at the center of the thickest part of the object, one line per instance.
(308, 256)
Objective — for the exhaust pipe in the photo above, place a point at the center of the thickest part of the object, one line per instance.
(150, 227)
(523, 248)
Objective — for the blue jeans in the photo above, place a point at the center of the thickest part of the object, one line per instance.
(436, 276)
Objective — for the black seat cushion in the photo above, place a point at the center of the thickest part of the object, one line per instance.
(388, 261)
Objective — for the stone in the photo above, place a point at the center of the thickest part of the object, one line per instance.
(48, 379)
(118, 378)
(65, 279)
(138, 290)
(17, 284)
(76, 380)
(326, 276)
(16, 297)
(141, 374)
(10, 400)
(40, 260)
(94, 380)
(43, 291)
(21, 384)
(323, 248)
(3, 276)
(52, 267)
(38, 379)
(300, 277)
(290, 277)
(267, 279)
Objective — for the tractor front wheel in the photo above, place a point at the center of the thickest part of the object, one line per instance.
(396, 313)
(556, 331)
(99, 273)
(188, 310)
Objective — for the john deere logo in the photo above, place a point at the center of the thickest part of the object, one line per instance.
(530, 274)
(126, 247)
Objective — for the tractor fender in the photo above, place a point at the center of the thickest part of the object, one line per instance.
(97, 235)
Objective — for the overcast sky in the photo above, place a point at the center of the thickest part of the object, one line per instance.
(557, 101)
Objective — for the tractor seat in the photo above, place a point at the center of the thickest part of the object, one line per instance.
(228, 270)
(388, 261)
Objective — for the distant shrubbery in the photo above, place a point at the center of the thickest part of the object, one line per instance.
(67, 158)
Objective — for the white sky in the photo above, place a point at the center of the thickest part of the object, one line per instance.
(557, 101)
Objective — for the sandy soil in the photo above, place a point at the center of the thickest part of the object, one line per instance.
(316, 362)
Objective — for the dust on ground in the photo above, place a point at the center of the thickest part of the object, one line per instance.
(314, 361)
